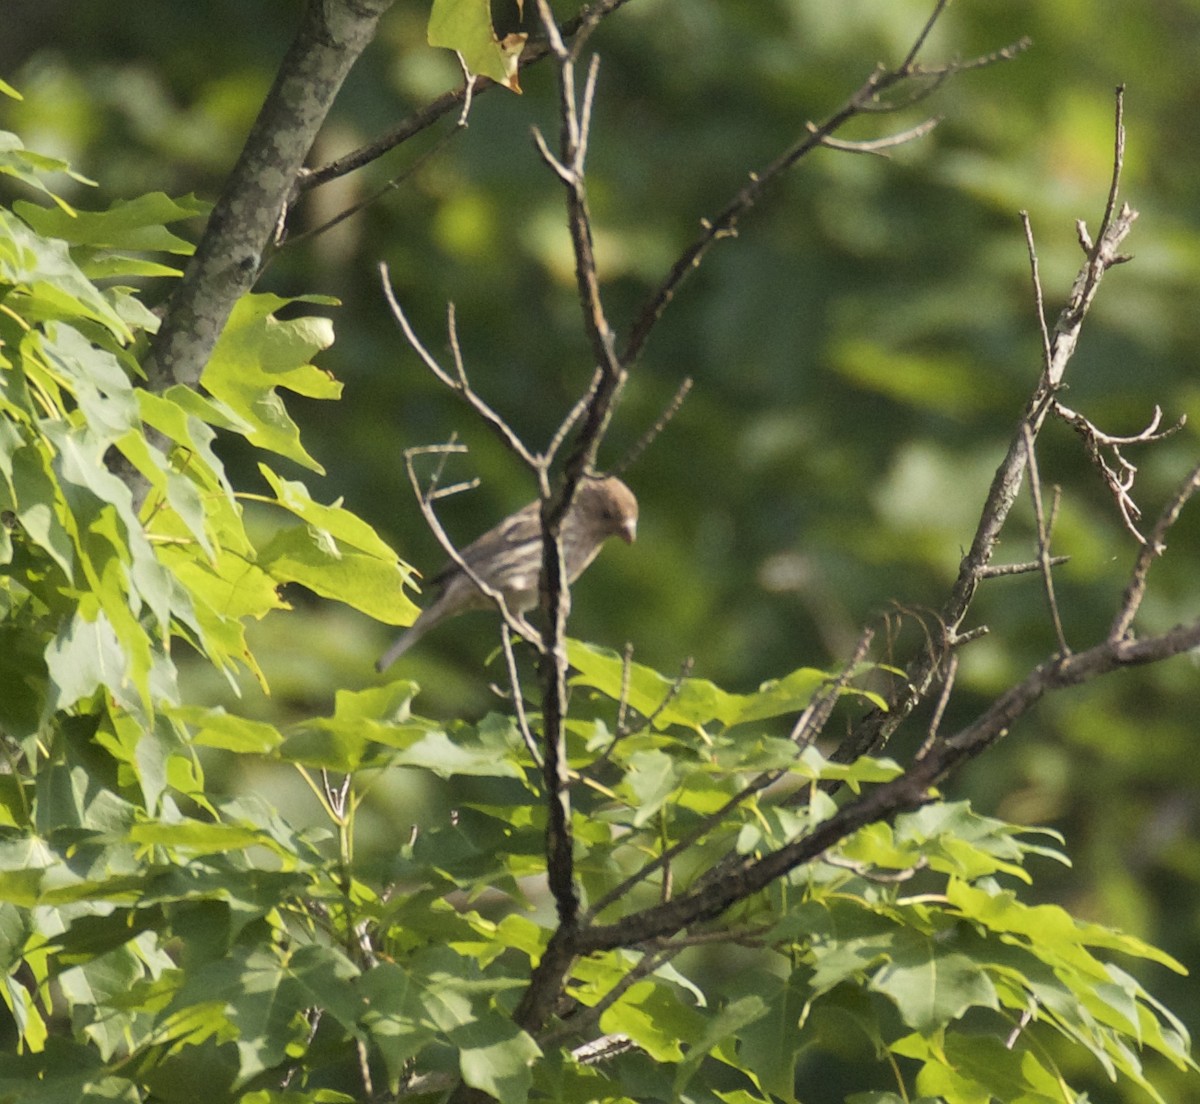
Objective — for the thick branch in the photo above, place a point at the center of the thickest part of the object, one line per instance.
(883, 802)
(448, 102)
(331, 36)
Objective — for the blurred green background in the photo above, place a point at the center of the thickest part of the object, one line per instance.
(861, 352)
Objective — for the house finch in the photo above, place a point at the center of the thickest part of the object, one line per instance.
(509, 557)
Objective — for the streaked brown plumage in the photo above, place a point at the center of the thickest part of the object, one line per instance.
(509, 557)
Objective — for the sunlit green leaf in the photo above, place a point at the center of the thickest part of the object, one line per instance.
(138, 223)
(255, 357)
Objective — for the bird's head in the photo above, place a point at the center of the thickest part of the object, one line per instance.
(609, 506)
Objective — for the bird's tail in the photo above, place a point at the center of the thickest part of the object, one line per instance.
(406, 640)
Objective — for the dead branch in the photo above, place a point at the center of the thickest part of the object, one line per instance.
(864, 100)
(1059, 348)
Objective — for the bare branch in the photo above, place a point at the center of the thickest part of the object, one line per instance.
(910, 58)
(881, 147)
(457, 383)
(243, 223)
(908, 791)
(1119, 480)
(289, 239)
(995, 571)
(514, 681)
(624, 730)
(569, 422)
(921, 672)
(864, 100)
(939, 711)
(1039, 301)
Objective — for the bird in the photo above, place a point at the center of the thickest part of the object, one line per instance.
(508, 558)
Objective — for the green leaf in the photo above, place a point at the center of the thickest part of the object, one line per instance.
(977, 1069)
(1051, 931)
(219, 729)
(718, 1030)
(772, 1049)
(313, 558)
(654, 1017)
(395, 1018)
(692, 703)
(435, 752)
(930, 986)
(84, 656)
(196, 836)
(255, 356)
(651, 779)
(29, 167)
(137, 224)
(41, 507)
(51, 284)
(494, 1055)
(347, 529)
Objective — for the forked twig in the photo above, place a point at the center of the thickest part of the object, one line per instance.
(1058, 349)
(864, 100)
(1118, 479)
(458, 383)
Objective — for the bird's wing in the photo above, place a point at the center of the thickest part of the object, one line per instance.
(517, 529)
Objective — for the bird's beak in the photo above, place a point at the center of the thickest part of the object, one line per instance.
(628, 531)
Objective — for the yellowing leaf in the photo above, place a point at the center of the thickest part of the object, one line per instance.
(465, 26)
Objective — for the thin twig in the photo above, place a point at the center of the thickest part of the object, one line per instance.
(921, 673)
(510, 662)
(995, 571)
(881, 147)
(910, 58)
(626, 676)
(939, 710)
(468, 96)
(568, 423)
(864, 100)
(1044, 527)
(586, 18)
(290, 239)
(685, 671)
(1120, 479)
(648, 438)
(459, 385)
(623, 732)
(1039, 301)
(1135, 589)
(871, 874)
